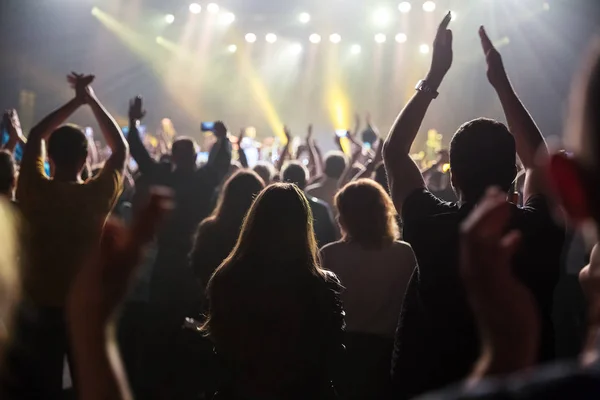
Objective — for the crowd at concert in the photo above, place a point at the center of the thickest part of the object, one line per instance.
(331, 277)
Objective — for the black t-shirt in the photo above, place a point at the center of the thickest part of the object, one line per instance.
(436, 340)
(324, 226)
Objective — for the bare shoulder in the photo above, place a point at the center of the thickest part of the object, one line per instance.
(332, 247)
(402, 247)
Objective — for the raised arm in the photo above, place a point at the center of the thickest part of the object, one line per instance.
(219, 159)
(373, 163)
(12, 123)
(529, 140)
(111, 132)
(403, 174)
(241, 152)
(286, 149)
(138, 151)
(317, 168)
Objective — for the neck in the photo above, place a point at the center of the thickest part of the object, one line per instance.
(66, 176)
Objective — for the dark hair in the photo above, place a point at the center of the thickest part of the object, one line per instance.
(183, 152)
(366, 214)
(7, 171)
(482, 154)
(265, 170)
(68, 147)
(296, 173)
(236, 198)
(335, 164)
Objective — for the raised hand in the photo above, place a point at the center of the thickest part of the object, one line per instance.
(136, 110)
(241, 136)
(442, 50)
(495, 67)
(81, 83)
(220, 130)
(12, 122)
(288, 134)
(309, 133)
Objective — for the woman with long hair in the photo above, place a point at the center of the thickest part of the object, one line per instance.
(374, 267)
(217, 234)
(275, 317)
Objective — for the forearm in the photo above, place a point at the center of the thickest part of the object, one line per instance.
(528, 137)
(284, 154)
(99, 371)
(242, 157)
(109, 127)
(219, 159)
(52, 121)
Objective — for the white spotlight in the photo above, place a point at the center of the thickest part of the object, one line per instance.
(304, 18)
(169, 18)
(227, 18)
(195, 8)
(404, 7)
(250, 37)
(212, 8)
(381, 17)
(232, 48)
(271, 38)
(355, 49)
(296, 48)
(453, 15)
(401, 38)
(424, 48)
(315, 38)
(380, 38)
(335, 38)
(429, 6)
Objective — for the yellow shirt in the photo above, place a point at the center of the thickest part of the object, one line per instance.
(64, 222)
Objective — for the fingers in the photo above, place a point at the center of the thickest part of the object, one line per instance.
(445, 22)
(486, 43)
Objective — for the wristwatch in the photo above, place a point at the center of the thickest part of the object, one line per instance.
(424, 87)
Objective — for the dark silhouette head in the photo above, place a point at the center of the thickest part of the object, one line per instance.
(236, 198)
(265, 170)
(296, 173)
(366, 214)
(184, 153)
(7, 173)
(482, 154)
(68, 150)
(335, 164)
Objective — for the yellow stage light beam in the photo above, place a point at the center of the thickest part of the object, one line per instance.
(336, 97)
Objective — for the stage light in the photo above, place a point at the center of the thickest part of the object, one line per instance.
(250, 37)
(304, 18)
(546, 6)
(212, 8)
(227, 18)
(271, 38)
(315, 38)
(296, 48)
(401, 38)
(335, 38)
(380, 38)
(195, 8)
(232, 48)
(404, 7)
(381, 17)
(429, 6)
(424, 48)
(355, 49)
(169, 18)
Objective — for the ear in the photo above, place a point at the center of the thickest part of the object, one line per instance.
(569, 184)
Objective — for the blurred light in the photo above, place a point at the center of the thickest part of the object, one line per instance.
(296, 48)
(404, 7)
(304, 18)
(95, 10)
(271, 38)
(381, 17)
(424, 48)
(227, 18)
(169, 18)
(453, 15)
(195, 8)
(335, 38)
(355, 49)
(380, 38)
(315, 38)
(429, 6)
(160, 40)
(212, 8)
(546, 6)
(232, 48)
(401, 38)
(250, 37)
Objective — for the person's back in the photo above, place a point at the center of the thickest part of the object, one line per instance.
(275, 316)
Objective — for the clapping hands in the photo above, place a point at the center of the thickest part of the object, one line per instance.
(81, 83)
(495, 67)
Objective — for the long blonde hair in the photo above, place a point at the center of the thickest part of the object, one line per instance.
(10, 288)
